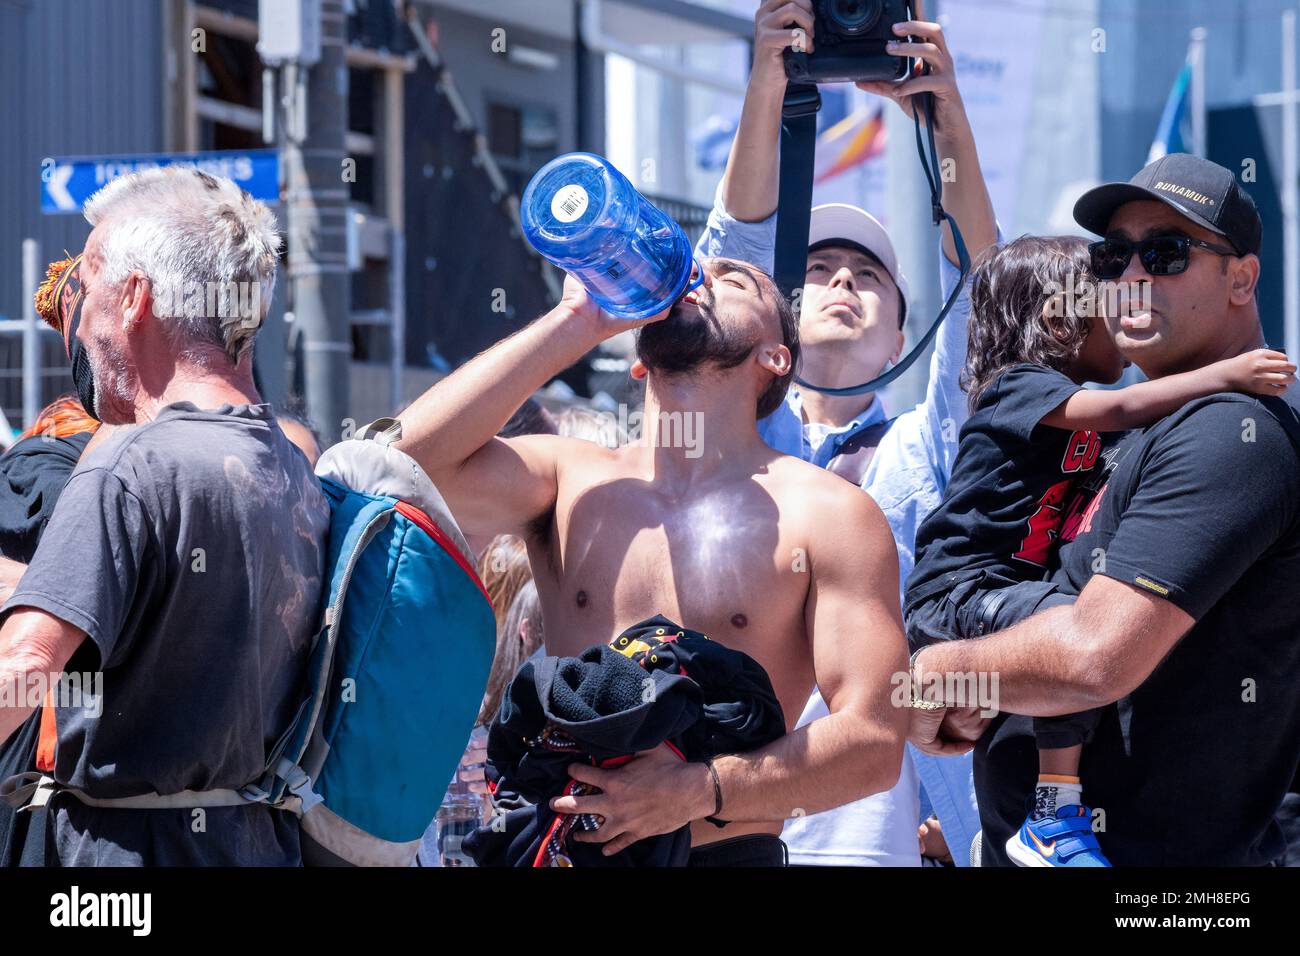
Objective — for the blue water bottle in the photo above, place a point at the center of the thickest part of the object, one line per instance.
(584, 216)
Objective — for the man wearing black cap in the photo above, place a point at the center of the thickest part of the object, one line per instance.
(1186, 630)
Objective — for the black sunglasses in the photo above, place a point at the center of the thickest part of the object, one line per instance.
(1159, 255)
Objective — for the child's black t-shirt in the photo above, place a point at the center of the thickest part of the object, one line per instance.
(1005, 501)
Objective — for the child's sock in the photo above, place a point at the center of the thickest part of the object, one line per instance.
(1055, 790)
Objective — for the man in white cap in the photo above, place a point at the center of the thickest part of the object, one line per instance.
(852, 312)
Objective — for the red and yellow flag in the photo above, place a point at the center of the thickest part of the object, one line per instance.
(852, 141)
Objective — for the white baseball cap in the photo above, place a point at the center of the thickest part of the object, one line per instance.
(840, 221)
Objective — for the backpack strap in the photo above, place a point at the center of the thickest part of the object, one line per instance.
(852, 458)
(33, 790)
(370, 464)
(301, 749)
(385, 431)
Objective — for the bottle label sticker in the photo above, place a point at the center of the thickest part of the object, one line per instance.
(570, 203)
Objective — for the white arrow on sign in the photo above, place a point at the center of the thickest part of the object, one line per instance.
(57, 187)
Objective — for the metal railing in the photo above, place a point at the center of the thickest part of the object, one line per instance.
(26, 346)
(691, 217)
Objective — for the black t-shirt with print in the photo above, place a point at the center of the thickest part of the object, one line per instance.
(1010, 486)
(1202, 509)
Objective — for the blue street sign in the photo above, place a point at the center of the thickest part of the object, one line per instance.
(66, 183)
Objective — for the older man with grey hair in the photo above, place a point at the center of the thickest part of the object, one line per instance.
(182, 568)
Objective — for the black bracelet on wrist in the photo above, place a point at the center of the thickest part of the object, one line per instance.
(717, 797)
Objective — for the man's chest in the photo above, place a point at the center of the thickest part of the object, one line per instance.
(721, 564)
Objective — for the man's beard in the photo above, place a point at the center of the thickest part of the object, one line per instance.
(114, 383)
(686, 342)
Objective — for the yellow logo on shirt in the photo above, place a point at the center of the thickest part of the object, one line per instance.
(1152, 586)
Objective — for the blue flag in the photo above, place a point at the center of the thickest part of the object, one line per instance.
(1172, 135)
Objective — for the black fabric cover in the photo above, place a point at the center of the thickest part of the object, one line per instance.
(656, 682)
(32, 474)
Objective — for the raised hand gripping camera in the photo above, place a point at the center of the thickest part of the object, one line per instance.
(850, 38)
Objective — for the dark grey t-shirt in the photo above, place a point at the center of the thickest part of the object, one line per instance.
(191, 551)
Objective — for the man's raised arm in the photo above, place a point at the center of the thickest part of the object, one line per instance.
(966, 198)
(1067, 659)
(494, 485)
(752, 180)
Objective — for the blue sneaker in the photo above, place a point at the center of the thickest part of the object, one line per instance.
(1064, 840)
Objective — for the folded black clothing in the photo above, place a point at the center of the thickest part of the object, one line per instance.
(655, 683)
(32, 475)
(740, 706)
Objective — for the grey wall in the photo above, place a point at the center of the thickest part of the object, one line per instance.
(76, 77)
(466, 44)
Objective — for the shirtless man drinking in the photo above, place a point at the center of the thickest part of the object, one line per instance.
(726, 536)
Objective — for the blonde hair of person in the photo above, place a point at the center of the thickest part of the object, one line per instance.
(503, 569)
(517, 638)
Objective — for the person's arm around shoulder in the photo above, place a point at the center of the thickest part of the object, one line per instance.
(1261, 372)
(495, 485)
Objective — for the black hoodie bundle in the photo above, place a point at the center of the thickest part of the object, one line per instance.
(32, 475)
(656, 683)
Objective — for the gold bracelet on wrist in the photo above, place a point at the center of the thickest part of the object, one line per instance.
(918, 702)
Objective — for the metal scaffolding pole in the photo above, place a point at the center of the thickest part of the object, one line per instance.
(1290, 200)
(31, 334)
(314, 154)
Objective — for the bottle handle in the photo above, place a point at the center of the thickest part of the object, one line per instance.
(694, 283)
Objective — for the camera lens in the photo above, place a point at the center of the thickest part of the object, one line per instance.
(853, 17)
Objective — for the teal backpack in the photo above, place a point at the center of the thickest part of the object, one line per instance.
(397, 673)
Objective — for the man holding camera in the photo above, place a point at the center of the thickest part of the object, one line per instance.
(853, 307)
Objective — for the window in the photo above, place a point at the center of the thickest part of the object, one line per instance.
(522, 139)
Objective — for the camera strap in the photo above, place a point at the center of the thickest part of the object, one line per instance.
(798, 148)
(799, 112)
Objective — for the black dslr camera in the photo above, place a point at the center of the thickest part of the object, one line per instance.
(850, 38)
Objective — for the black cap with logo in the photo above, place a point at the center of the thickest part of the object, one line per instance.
(1203, 191)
